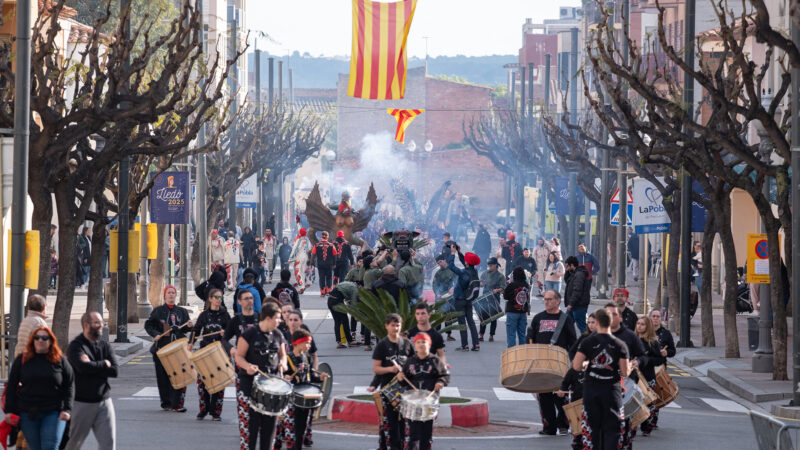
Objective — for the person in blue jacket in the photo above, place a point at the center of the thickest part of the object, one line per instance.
(467, 288)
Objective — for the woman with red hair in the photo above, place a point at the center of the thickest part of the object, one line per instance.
(40, 391)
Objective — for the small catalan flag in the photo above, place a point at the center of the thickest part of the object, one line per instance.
(378, 60)
(404, 118)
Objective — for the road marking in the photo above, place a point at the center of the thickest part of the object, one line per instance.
(505, 394)
(724, 405)
(447, 391)
(674, 371)
(361, 390)
(152, 392)
(672, 405)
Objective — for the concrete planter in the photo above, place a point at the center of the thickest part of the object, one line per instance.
(474, 413)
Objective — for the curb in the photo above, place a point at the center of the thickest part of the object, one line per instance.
(474, 413)
(745, 390)
(786, 412)
(129, 348)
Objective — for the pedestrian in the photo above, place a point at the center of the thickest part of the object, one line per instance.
(482, 245)
(528, 263)
(697, 264)
(166, 325)
(231, 259)
(325, 259)
(285, 292)
(553, 273)
(248, 246)
(447, 243)
(258, 261)
(389, 283)
(222, 229)
(577, 293)
(426, 371)
(40, 390)
(633, 251)
(466, 291)
(540, 254)
(652, 358)
(517, 295)
(53, 270)
(93, 363)
(214, 319)
(442, 282)
(34, 318)
(344, 257)
(555, 245)
(85, 253)
(389, 357)
(553, 327)
(422, 314)
(588, 260)
(215, 281)
(629, 318)
(248, 283)
(411, 274)
(260, 349)
(493, 283)
(345, 292)
(270, 249)
(512, 252)
(284, 252)
(602, 391)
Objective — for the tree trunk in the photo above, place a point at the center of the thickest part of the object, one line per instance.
(158, 268)
(723, 216)
(68, 251)
(779, 324)
(673, 292)
(41, 219)
(706, 311)
(97, 259)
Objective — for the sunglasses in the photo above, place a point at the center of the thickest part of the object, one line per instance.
(41, 338)
(216, 297)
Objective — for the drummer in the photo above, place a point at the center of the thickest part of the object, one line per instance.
(167, 324)
(422, 312)
(236, 327)
(293, 426)
(214, 319)
(425, 371)
(260, 349)
(651, 359)
(388, 358)
(602, 391)
(667, 345)
(493, 282)
(552, 326)
(294, 320)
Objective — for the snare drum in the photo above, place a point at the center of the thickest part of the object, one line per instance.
(419, 405)
(214, 366)
(270, 395)
(488, 308)
(175, 358)
(307, 396)
(665, 388)
(632, 398)
(393, 391)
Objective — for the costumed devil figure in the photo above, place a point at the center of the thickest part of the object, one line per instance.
(321, 218)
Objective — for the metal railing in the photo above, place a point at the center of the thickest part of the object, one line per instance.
(770, 432)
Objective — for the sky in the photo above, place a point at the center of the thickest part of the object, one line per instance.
(453, 27)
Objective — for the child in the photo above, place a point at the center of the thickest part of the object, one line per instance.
(573, 385)
(53, 269)
(425, 371)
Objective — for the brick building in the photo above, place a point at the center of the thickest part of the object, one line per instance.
(448, 106)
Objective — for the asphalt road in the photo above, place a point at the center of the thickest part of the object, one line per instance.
(700, 418)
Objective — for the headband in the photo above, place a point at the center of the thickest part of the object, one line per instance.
(302, 340)
(422, 336)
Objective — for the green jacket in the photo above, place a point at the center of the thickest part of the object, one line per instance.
(355, 275)
(443, 281)
(493, 280)
(411, 274)
(349, 290)
(370, 276)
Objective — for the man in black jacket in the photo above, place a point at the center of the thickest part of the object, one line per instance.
(389, 283)
(344, 258)
(512, 252)
(629, 318)
(93, 362)
(576, 294)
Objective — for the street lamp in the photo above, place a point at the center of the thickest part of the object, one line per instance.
(412, 146)
(428, 146)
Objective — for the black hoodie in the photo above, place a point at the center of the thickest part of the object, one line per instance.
(577, 292)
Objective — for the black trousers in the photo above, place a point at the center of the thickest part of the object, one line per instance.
(262, 430)
(420, 434)
(492, 328)
(392, 429)
(340, 272)
(340, 321)
(601, 407)
(466, 318)
(551, 408)
(170, 398)
(300, 425)
(325, 276)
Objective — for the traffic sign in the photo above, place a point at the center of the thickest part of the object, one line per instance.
(758, 258)
(615, 208)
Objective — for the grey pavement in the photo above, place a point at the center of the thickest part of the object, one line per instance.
(704, 416)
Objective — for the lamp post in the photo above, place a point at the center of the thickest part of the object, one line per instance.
(762, 357)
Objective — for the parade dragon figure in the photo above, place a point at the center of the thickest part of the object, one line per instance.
(321, 218)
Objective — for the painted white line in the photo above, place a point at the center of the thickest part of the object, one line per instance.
(451, 392)
(150, 391)
(672, 405)
(725, 405)
(505, 394)
(459, 438)
(328, 315)
(360, 390)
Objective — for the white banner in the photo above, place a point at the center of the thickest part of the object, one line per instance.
(247, 194)
(649, 214)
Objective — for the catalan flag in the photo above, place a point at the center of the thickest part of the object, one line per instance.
(378, 60)
(404, 118)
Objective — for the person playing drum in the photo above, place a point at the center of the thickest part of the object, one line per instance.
(213, 320)
(172, 320)
(293, 426)
(572, 383)
(667, 345)
(651, 359)
(554, 327)
(493, 282)
(607, 356)
(294, 321)
(388, 358)
(425, 371)
(260, 349)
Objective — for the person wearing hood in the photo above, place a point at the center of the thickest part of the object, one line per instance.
(215, 281)
(389, 283)
(214, 319)
(512, 253)
(482, 245)
(285, 292)
(576, 294)
(344, 258)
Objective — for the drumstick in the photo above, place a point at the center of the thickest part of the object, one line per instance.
(170, 331)
(404, 378)
(430, 395)
(210, 334)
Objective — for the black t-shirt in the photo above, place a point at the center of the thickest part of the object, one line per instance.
(603, 351)
(387, 351)
(437, 341)
(544, 325)
(263, 351)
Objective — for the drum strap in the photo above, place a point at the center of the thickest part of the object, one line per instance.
(562, 319)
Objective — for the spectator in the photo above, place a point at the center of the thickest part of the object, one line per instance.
(493, 282)
(389, 283)
(482, 245)
(258, 263)
(53, 270)
(85, 253)
(555, 246)
(248, 246)
(93, 362)
(588, 260)
(285, 292)
(215, 281)
(34, 319)
(577, 292)
(553, 273)
(633, 250)
(512, 253)
(284, 252)
(697, 264)
(40, 391)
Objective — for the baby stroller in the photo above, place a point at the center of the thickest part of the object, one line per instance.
(743, 303)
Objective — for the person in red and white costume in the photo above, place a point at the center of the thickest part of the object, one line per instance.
(270, 246)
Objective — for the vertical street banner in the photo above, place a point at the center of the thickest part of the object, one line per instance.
(562, 197)
(247, 194)
(378, 60)
(169, 198)
(649, 214)
(698, 210)
(31, 260)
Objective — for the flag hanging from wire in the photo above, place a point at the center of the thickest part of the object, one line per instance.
(404, 117)
(378, 60)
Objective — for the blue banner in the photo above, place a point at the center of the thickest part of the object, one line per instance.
(169, 198)
(698, 210)
(562, 198)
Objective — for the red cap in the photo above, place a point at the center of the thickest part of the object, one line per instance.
(302, 232)
(340, 233)
(621, 291)
(472, 259)
(422, 336)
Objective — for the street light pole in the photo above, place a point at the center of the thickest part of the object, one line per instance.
(123, 178)
(795, 92)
